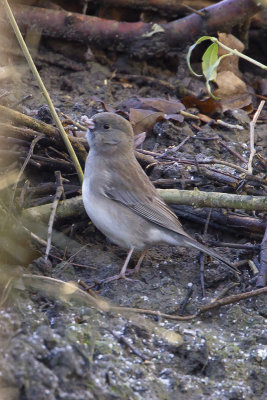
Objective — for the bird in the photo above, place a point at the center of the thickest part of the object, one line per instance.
(120, 199)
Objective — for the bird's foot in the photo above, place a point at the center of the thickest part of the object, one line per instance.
(119, 276)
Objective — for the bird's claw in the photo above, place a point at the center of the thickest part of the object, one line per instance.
(117, 277)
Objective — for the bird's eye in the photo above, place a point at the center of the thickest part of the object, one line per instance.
(106, 126)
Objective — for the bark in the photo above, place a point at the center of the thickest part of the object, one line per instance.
(139, 39)
(74, 207)
(212, 199)
(163, 7)
(262, 277)
(228, 222)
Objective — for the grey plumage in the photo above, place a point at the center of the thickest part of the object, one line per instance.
(119, 197)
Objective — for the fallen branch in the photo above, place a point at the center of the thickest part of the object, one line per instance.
(14, 131)
(39, 161)
(74, 206)
(35, 126)
(171, 7)
(212, 199)
(139, 39)
(228, 222)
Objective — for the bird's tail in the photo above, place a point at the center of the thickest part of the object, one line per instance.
(210, 252)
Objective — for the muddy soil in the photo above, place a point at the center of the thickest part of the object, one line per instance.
(53, 348)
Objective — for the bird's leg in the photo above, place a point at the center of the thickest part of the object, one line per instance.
(122, 274)
(139, 262)
(126, 262)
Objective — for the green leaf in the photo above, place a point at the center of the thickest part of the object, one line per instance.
(210, 57)
(191, 48)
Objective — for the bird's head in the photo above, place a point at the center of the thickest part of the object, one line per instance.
(109, 132)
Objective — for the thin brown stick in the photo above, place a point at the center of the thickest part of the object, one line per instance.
(230, 126)
(170, 7)
(202, 260)
(207, 307)
(23, 192)
(24, 98)
(73, 291)
(123, 340)
(58, 194)
(200, 13)
(6, 292)
(262, 277)
(224, 291)
(203, 256)
(33, 143)
(190, 162)
(252, 136)
(252, 247)
(233, 152)
(235, 298)
(75, 123)
(35, 237)
(190, 290)
(175, 148)
(141, 80)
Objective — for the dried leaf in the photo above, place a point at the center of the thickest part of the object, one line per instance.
(236, 102)
(139, 139)
(144, 120)
(166, 106)
(229, 63)
(232, 91)
(174, 117)
(262, 86)
(208, 106)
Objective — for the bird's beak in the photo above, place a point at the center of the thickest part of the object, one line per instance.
(88, 123)
(90, 129)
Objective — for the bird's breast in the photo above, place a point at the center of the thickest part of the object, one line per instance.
(119, 224)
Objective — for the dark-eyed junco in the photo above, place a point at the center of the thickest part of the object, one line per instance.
(119, 197)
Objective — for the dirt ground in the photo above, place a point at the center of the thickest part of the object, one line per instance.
(54, 348)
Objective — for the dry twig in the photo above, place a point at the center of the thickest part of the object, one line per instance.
(43, 89)
(252, 136)
(68, 291)
(58, 194)
(33, 143)
(262, 277)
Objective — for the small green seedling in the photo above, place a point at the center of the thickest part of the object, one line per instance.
(210, 60)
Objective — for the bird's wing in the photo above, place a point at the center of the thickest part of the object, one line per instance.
(139, 195)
